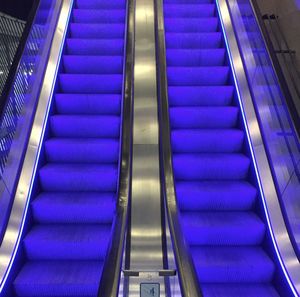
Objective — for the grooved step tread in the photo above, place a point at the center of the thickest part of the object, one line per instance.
(93, 64)
(82, 150)
(88, 104)
(222, 228)
(245, 265)
(215, 195)
(58, 278)
(85, 126)
(67, 242)
(98, 16)
(78, 177)
(74, 207)
(195, 57)
(210, 166)
(189, 10)
(204, 141)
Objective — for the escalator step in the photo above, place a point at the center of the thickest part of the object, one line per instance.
(100, 4)
(83, 126)
(195, 58)
(96, 31)
(78, 177)
(216, 190)
(93, 64)
(210, 166)
(191, 25)
(200, 96)
(222, 228)
(85, 150)
(204, 141)
(67, 242)
(226, 265)
(189, 10)
(89, 83)
(74, 206)
(198, 76)
(194, 40)
(90, 16)
(215, 195)
(59, 278)
(101, 47)
(187, 1)
(80, 207)
(238, 290)
(203, 117)
(88, 104)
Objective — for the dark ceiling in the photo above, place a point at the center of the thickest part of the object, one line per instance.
(17, 8)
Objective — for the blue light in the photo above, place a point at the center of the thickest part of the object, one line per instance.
(35, 165)
(254, 161)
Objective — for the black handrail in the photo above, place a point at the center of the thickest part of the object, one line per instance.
(187, 274)
(109, 284)
(276, 65)
(18, 55)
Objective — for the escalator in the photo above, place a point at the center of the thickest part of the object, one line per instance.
(74, 199)
(215, 182)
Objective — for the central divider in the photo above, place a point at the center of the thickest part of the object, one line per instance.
(146, 255)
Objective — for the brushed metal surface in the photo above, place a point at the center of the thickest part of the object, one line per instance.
(146, 228)
(13, 233)
(279, 233)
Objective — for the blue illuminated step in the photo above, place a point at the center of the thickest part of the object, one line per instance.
(67, 242)
(85, 126)
(196, 57)
(234, 290)
(93, 64)
(222, 228)
(74, 202)
(215, 185)
(97, 31)
(200, 95)
(92, 104)
(98, 16)
(78, 177)
(85, 47)
(82, 150)
(185, 25)
(59, 278)
(193, 40)
(203, 117)
(189, 10)
(215, 195)
(100, 4)
(74, 207)
(187, 1)
(203, 141)
(235, 264)
(198, 76)
(210, 166)
(89, 83)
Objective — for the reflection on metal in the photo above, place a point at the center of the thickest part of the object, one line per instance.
(146, 224)
(13, 233)
(109, 285)
(279, 234)
(187, 274)
(164, 272)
